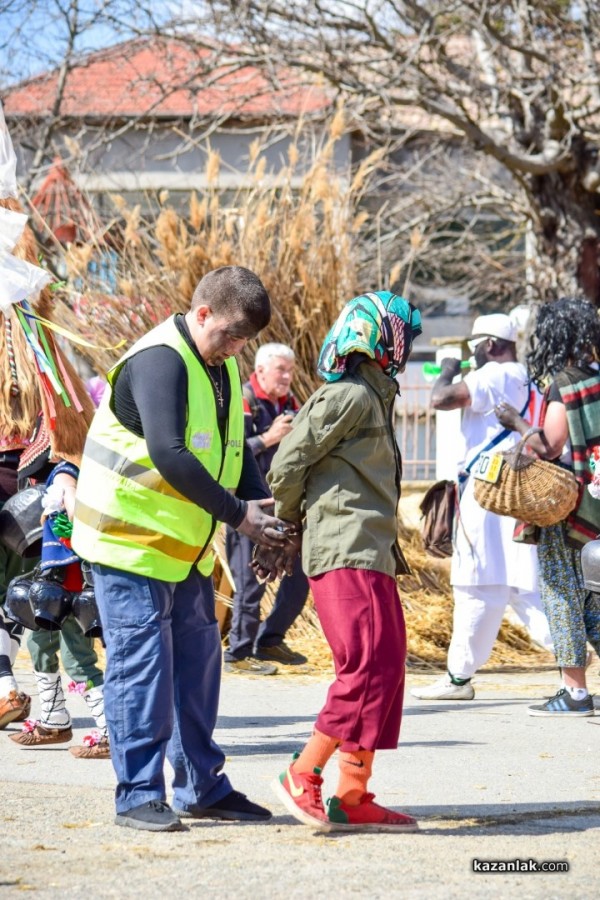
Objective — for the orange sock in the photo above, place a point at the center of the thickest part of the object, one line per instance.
(355, 771)
(316, 752)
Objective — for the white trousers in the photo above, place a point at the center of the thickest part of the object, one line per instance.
(478, 613)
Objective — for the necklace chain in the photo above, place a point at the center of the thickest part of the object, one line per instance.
(218, 387)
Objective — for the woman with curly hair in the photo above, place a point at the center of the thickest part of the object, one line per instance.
(563, 361)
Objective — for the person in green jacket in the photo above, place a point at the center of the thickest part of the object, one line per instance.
(337, 476)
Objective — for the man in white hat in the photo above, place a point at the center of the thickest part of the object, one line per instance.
(489, 570)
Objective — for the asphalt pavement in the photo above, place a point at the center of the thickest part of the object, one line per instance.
(491, 786)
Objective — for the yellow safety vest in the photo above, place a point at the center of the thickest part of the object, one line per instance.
(126, 515)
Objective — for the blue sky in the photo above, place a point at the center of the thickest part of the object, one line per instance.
(34, 34)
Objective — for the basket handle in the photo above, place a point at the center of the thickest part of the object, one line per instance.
(520, 447)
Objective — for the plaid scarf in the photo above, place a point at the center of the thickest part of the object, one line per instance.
(580, 392)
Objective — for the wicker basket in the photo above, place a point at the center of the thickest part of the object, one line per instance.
(530, 489)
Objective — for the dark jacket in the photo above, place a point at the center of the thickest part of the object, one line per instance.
(259, 412)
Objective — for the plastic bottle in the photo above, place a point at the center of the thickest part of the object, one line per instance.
(433, 369)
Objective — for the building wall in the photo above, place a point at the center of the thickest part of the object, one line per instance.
(158, 156)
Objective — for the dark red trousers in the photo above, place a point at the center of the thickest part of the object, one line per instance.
(363, 622)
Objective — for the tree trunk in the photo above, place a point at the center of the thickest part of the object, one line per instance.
(567, 237)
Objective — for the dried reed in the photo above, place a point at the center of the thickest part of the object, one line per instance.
(427, 601)
(299, 234)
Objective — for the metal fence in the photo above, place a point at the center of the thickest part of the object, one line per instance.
(415, 427)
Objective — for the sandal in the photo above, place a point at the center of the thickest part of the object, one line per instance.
(14, 708)
(94, 747)
(35, 735)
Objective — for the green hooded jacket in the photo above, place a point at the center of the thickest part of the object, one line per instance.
(338, 471)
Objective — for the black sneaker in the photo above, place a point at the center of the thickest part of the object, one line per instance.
(281, 653)
(234, 806)
(155, 815)
(562, 704)
(249, 666)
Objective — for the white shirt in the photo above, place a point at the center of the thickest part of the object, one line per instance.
(484, 552)
(488, 386)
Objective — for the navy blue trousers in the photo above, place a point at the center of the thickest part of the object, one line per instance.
(161, 686)
(247, 634)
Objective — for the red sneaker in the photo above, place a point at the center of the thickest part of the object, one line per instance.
(300, 793)
(367, 816)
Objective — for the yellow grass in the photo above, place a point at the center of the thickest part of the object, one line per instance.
(301, 240)
(427, 601)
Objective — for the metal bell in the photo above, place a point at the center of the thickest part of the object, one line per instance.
(590, 566)
(20, 521)
(17, 604)
(51, 603)
(86, 613)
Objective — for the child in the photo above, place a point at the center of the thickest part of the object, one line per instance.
(60, 565)
(338, 472)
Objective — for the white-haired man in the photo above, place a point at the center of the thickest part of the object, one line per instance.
(269, 409)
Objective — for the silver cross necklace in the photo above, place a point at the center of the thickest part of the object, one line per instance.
(218, 387)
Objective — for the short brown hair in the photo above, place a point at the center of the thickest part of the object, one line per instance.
(234, 291)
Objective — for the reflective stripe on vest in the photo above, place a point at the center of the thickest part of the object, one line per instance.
(126, 515)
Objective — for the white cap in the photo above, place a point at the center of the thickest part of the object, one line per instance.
(496, 325)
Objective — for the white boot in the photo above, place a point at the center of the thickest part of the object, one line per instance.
(8, 683)
(55, 714)
(95, 701)
(14, 704)
(95, 745)
(54, 726)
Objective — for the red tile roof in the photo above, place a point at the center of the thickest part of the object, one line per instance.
(164, 78)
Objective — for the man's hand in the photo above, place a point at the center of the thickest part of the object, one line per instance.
(262, 528)
(280, 426)
(450, 368)
(292, 549)
(266, 564)
(289, 553)
(271, 564)
(446, 393)
(68, 485)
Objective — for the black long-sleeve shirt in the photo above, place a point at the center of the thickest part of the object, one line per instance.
(150, 400)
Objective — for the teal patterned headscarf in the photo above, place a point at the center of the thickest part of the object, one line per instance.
(380, 324)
